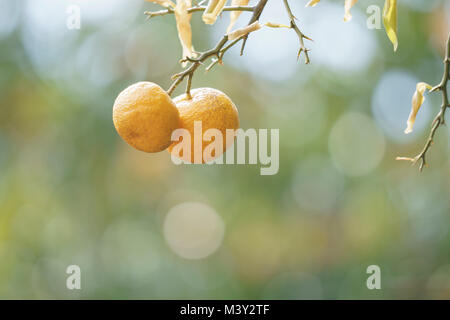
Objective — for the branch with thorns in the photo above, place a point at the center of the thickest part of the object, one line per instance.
(218, 51)
(192, 59)
(439, 120)
(227, 41)
(300, 35)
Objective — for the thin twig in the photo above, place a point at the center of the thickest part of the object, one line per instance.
(218, 51)
(189, 85)
(257, 11)
(151, 14)
(439, 120)
(300, 34)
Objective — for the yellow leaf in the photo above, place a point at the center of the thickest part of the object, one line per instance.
(312, 3)
(348, 5)
(235, 14)
(213, 10)
(243, 31)
(164, 3)
(417, 102)
(183, 19)
(390, 21)
(275, 25)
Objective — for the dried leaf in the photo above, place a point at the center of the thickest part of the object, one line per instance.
(213, 10)
(390, 21)
(312, 3)
(164, 3)
(243, 31)
(183, 19)
(405, 159)
(235, 14)
(417, 102)
(275, 25)
(348, 5)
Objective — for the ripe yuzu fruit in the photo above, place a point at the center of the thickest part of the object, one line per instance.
(144, 116)
(214, 109)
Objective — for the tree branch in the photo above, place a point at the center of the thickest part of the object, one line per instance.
(218, 51)
(300, 35)
(439, 120)
(257, 11)
(151, 14)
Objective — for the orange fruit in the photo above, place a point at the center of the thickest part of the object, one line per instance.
(144, 116)
(215, 110)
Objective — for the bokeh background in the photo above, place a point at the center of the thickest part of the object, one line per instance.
(140, 227)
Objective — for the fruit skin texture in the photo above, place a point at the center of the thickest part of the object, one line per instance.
(144, 116)
(214, 109)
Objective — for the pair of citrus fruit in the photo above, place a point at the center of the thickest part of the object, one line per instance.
(145, 117)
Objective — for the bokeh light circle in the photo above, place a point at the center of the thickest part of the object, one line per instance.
(193, 230)
(356, 145)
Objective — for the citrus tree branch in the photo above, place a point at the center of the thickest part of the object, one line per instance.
(151, 14)
(218, 51)
(439, 120)
(300, 34)
(257, 11)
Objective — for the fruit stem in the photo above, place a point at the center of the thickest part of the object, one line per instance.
(188, 86)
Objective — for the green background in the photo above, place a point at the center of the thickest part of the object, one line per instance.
(72, 192)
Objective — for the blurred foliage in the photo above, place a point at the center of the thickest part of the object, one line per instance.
(72, 192)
